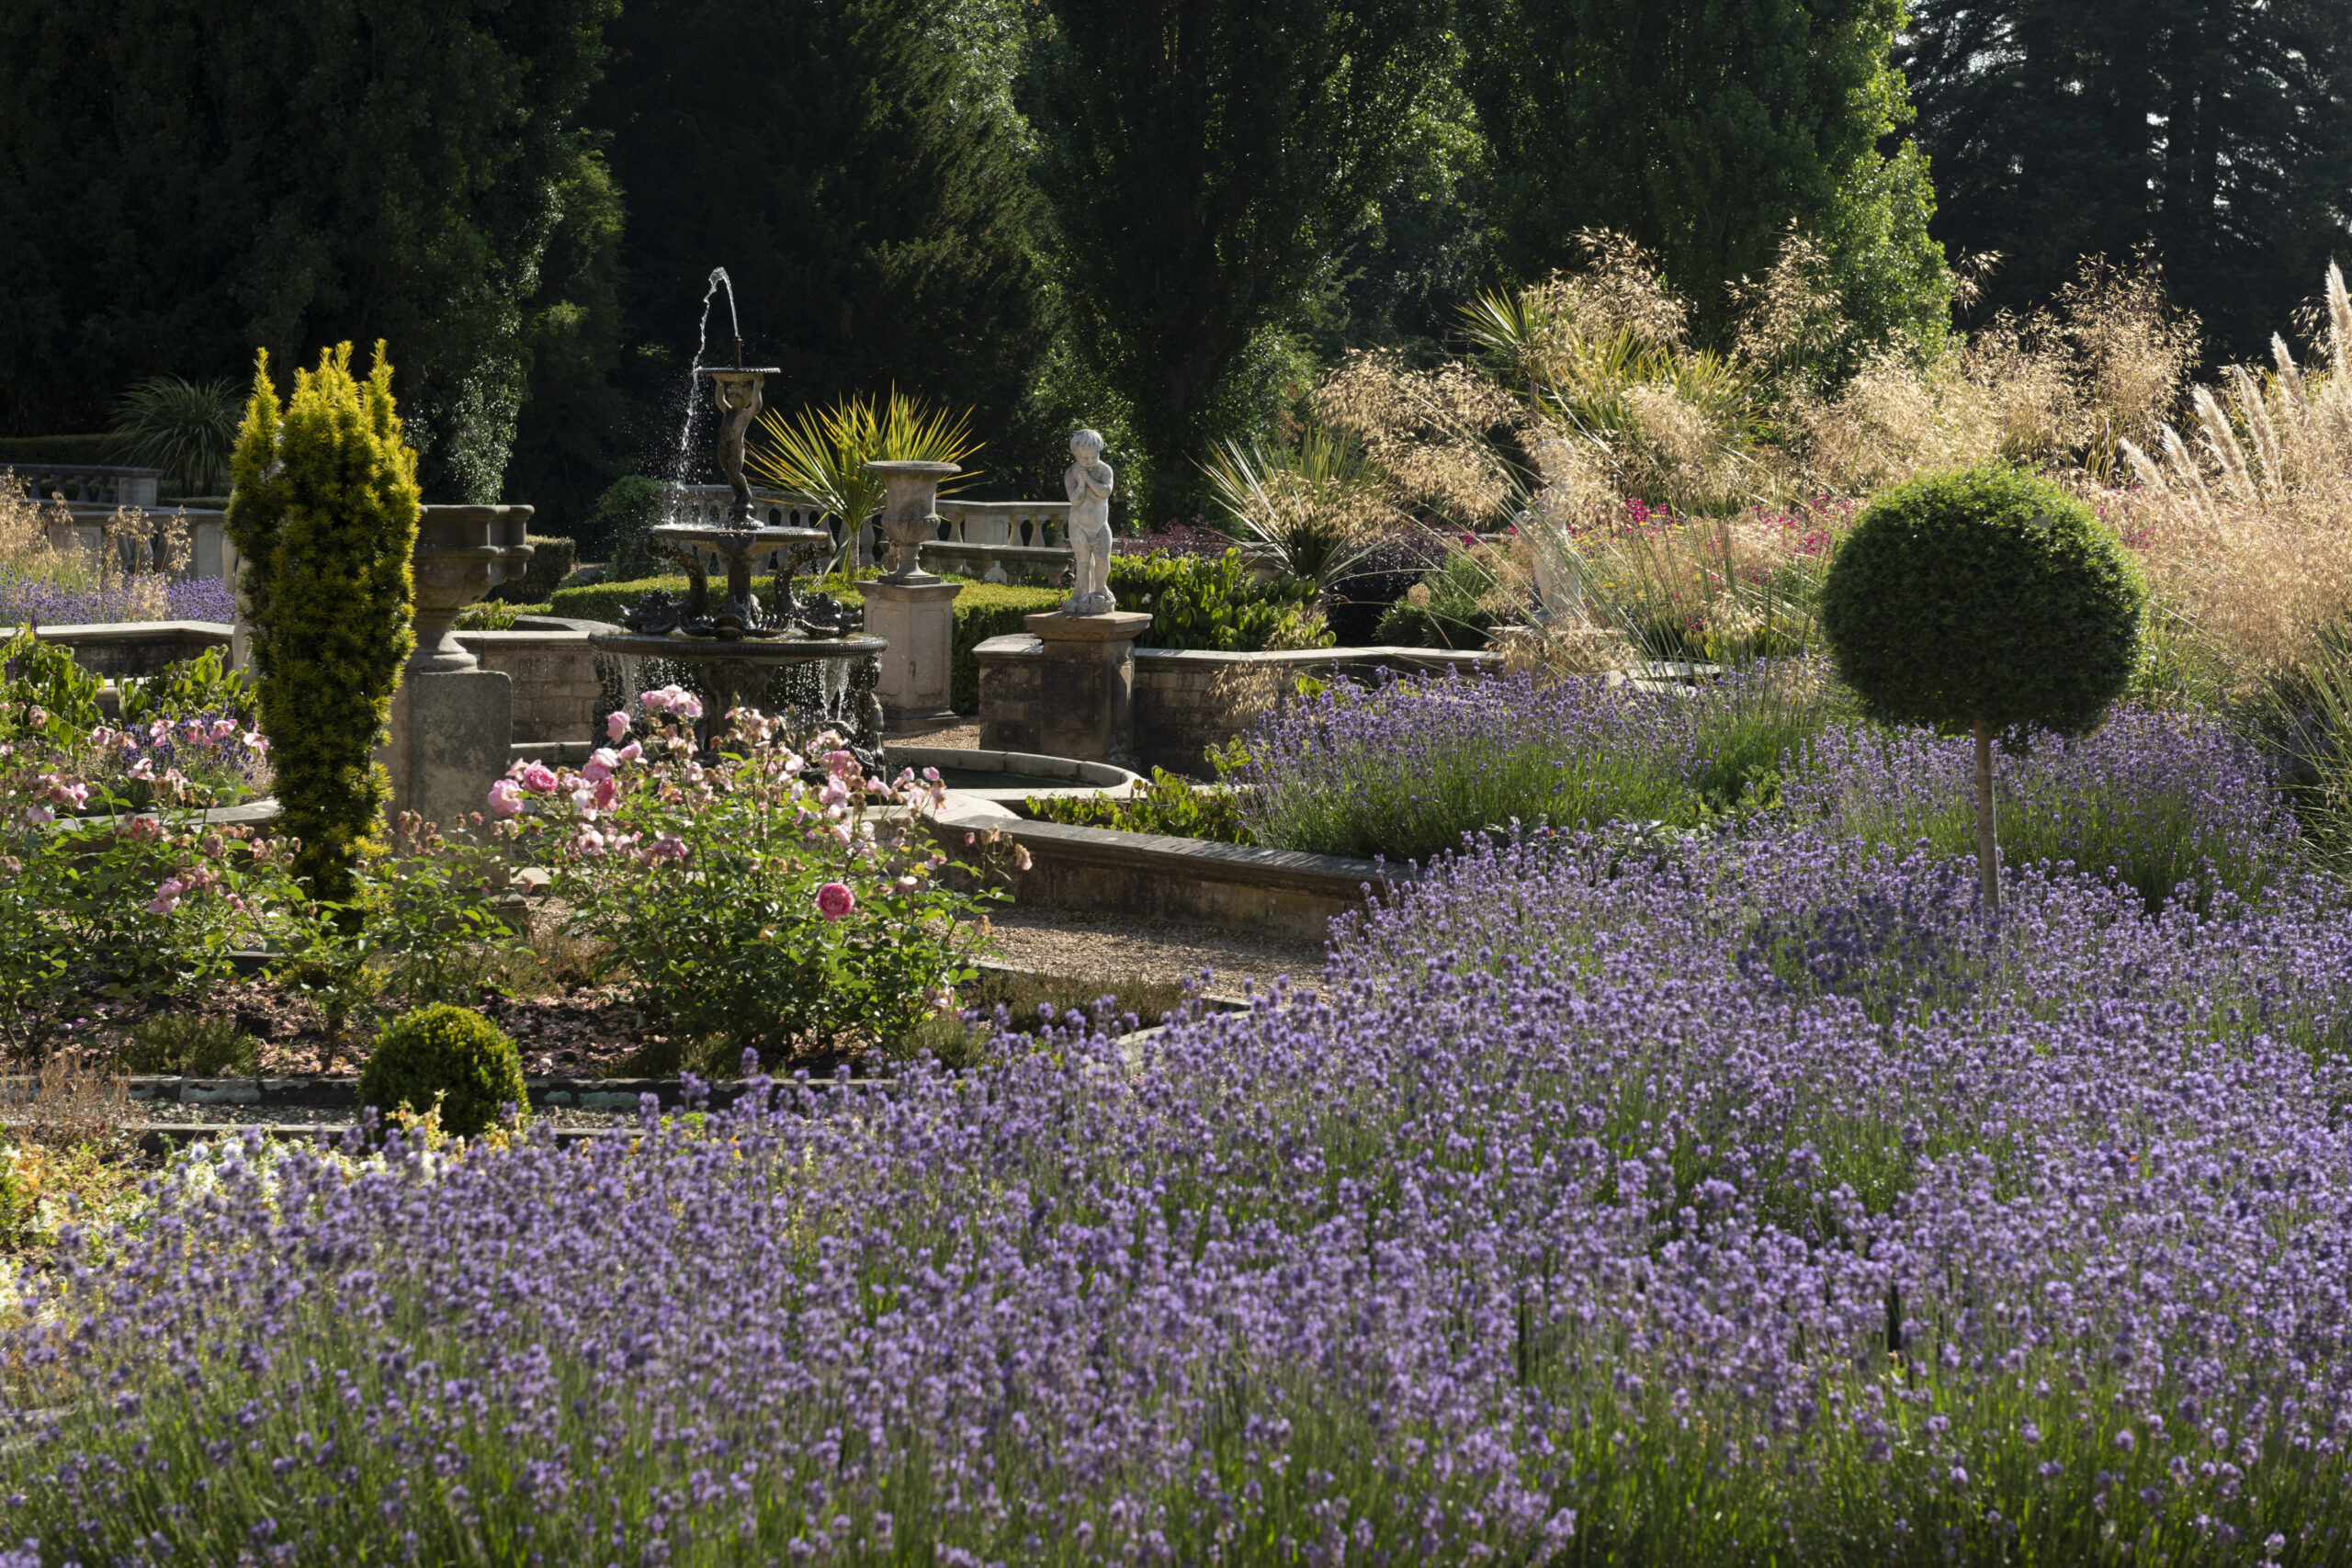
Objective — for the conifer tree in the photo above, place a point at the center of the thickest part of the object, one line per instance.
(1208, 162)
(867, 198)
(184, 180)
(325, 512)
(1704, 129)
(2220, 135)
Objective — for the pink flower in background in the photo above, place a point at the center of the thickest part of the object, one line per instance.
(600, 765)
(629, 753)
(672, 699)
(615, 725)
(607, 791)
(538, 778)
(144, 829)
(167, 897)
(834, 900)
(505, 800)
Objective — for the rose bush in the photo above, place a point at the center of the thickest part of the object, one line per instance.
(764, 896)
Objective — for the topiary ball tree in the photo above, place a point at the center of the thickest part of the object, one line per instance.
(449, 1055)
(1974, 601)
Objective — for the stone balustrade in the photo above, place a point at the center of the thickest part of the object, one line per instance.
(89, 484)
(1001, 541)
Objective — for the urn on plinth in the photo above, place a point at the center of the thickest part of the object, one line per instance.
(910, 514)
(462, 552)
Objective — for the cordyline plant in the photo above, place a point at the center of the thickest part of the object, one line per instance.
(822, 453)
(773, 896)
(325, 512)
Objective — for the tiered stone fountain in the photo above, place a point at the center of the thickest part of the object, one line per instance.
(734, 643)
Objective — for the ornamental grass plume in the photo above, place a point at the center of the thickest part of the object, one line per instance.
(1744, 1200)
(2247, 532)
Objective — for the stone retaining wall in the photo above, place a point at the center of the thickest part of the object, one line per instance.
(117, 648)
(556, 690)
(1100, 871)
(1189, 700)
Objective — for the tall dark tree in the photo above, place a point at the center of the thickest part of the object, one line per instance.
(183, 181)
(1702, 129)
(2219, 131)
(1207, 161)
(867, 198)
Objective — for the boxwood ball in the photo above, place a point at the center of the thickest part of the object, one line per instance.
(1987, 594)
(450, 1053)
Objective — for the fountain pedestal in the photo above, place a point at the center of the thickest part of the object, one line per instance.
(1084, 703)
(452, 721)
(918, 620)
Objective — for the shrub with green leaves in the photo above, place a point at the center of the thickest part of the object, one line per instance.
(1217, 603)
(446, 1055)
(552, 560)
(616, 526)
(325, 512)
(1166, 803)
(1979, 601)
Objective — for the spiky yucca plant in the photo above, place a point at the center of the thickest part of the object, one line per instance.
(1315, 503)
(186, 428)
(324, 511)
(822, 453)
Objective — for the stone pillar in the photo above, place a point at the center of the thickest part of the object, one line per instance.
(449, 734)
(918, 620)
(1086, 679)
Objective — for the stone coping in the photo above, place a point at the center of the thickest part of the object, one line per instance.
(251, 813)
(72, 633)
(1014, 645)
(1336, 876)
(1085, 777)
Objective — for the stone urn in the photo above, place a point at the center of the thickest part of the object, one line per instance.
(462, 552)
(910, 514)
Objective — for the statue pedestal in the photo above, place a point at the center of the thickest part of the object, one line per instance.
(918, 620)
(1083, 705)
(449, 734)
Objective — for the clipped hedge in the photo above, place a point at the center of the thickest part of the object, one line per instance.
(982, 611)
(98, 450)
(552, 560)
(1216, 603)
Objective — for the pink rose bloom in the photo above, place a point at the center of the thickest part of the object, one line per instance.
(601, 764)
(616, 725)
(39, 816)
(145, 828)
(834, 900)
(608, 790)
(538, 778)
(167, 897)
(505, 800)
(629, 753)
(686, 706)
(224, 728)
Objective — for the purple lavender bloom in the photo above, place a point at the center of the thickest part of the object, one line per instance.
(1653, 1200)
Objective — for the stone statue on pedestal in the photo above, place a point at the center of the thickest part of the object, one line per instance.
(1088, 480)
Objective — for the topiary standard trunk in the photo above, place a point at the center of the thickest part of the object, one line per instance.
(325, 512)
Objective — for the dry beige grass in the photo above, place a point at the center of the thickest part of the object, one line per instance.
(2249, 531)
(66, 1104)
(138, 552)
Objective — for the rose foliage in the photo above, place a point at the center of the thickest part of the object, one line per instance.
(766, 897)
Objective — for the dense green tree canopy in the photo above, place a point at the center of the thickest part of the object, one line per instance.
(865, 195)
(1702, 129)
(183, 181)
(1208, 161)
(2219, 130)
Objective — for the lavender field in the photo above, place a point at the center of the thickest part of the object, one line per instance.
(1751, 1199)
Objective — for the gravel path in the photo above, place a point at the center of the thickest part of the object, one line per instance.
(1123, 947)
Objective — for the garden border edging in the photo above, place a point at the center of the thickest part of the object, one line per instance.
(1285, 893)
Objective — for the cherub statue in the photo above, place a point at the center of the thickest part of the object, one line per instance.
(1089, 480)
